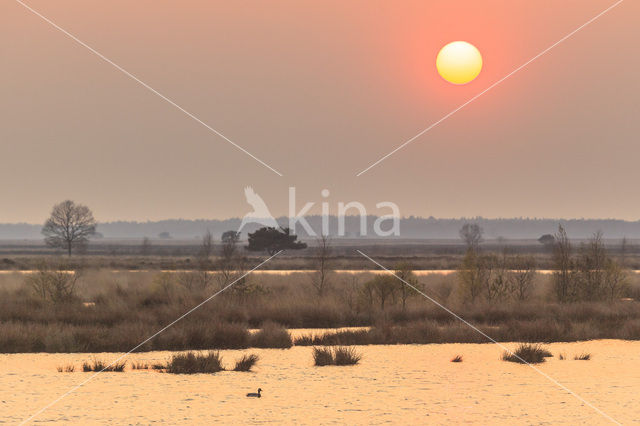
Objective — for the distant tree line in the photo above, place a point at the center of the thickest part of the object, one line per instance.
(410, 227)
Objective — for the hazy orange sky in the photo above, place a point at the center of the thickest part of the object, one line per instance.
(319, 90)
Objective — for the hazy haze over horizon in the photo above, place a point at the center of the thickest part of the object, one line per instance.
(319, 92)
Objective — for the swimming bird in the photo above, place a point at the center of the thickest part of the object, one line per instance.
(254, 395)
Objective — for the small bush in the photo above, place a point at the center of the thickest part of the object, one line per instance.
(57, 286)
(582, 357)
(339, 356)
(246, 362)
(561, 357)
(98, 366)
(271, 335)
(346, 356)
(70, 368)
(322, 356)
(191, 363)
(457, 358)
(139, 366)
(527, 353)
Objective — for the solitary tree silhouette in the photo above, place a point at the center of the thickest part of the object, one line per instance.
(69, 226)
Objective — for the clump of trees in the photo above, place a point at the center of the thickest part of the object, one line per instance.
(273, 240)
(496, 278)
(386, 289)
(69, 226)
(493, 277)
(589, 275)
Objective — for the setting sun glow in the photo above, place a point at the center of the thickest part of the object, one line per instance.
(459, 62)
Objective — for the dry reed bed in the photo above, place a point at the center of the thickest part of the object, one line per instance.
(182, 363)
(130, 307)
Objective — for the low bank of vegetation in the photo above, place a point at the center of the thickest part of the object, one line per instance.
(590, 296)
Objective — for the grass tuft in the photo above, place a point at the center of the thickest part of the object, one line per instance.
(346, 356)
(97, 366)
(527, 353)
(322, 357)
(139, 365)
(69, 368)
(582, 357)
(192, 363)
(457, 358)
(561, 357)
(246, 362)
(341, 355)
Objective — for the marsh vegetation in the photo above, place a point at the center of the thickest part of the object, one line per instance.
(63, 308)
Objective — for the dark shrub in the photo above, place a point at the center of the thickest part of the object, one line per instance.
(457, 358)
(526, 353)
(70, 368)
(191, 363)
(322, 356)
(246, 362)
(346, 356)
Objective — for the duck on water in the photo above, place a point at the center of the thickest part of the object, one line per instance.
(254, 395)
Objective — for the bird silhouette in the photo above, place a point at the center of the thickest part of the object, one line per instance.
(255, 395)
(260, 213)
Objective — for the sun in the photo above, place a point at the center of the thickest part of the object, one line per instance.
(459, 62)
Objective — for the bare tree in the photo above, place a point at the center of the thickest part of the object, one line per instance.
(406, 275)
(523, 276)
(563, 277)
(351, 290)
(624, 250)
(206, 249)
(54, 284)
(320, 278)
(472, 275)
(471, 234)
(495, 275)
(616, 280)
(145, 247)
(591, 265)
(230, 264)
(69, 226)
(201, 276)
